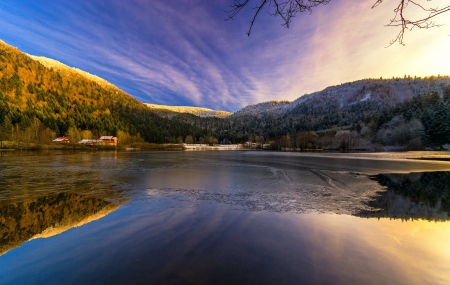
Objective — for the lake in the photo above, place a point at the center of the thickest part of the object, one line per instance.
(224, 217)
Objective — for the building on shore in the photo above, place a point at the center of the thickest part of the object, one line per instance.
(63, 139)
(108, 140)
(103, 140)
(89, 142)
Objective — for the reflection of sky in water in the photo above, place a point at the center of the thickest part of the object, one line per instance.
(219, 218)
(167, 242)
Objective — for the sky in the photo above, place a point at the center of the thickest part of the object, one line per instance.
(184, 53)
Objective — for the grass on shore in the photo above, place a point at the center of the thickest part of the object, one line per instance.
(11, 146)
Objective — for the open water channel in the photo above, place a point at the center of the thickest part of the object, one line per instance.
(231, 217)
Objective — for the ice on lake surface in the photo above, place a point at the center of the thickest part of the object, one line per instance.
(224, 218)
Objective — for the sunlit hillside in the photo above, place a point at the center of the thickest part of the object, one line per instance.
(41, 98)
(61, 67)
(197, 111)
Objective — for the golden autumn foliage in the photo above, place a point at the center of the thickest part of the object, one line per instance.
(42, 94)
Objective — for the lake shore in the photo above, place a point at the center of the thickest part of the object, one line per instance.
(15, 147)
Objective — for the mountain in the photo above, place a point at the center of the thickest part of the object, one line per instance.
(41, 99)
(352, 95)
(263, 108)
(347, 106)
(197, 111)
(407, 112)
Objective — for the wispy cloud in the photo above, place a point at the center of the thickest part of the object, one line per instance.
(183, 53)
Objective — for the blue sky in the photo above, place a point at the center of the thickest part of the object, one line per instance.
(182, 52)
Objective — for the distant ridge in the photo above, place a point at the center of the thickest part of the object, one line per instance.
(197, 111)
(269, 106)
(343, 97)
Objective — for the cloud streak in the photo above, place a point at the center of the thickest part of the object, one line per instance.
(182, 52)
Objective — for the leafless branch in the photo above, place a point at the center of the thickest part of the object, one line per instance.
(286, 9)
(399, 20)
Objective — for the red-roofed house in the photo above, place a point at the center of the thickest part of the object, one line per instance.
(108, 140)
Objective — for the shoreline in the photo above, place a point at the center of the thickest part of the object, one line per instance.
(431, 156)
(193, 147)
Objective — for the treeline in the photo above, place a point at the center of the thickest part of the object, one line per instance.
(423, 121)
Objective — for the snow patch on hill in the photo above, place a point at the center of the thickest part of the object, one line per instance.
(263, 108)
(197, 111)
(367, 97)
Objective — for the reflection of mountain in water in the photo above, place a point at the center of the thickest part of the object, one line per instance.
(47, 216)
(415, 195)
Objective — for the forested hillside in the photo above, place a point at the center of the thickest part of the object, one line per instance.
(41, 98)
(39, 101)
(337, 106)
(411, 113)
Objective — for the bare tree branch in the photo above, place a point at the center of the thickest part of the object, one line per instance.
(405, 23)
(287, 9)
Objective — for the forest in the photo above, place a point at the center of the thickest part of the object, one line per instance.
(386, 121)
(38, 104)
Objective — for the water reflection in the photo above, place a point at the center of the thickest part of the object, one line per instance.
(47, 216)
(424, 195)
(219, 218)
(162, 243)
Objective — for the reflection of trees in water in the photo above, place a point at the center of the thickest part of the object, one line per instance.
(423, 195)
(47, 216)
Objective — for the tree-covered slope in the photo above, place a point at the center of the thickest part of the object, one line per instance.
(42, 99)
(404, 112)
(337, 106)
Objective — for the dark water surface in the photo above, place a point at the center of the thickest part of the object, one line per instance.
(223, 218)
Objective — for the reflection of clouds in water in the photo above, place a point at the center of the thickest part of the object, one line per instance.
(239, 220)
(384, 251)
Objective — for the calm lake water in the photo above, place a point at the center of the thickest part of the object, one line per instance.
(223, 218)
